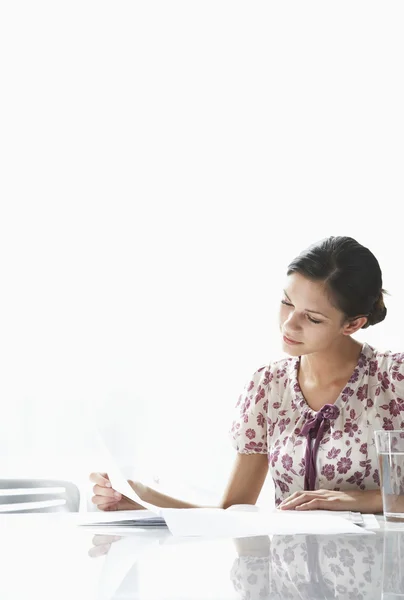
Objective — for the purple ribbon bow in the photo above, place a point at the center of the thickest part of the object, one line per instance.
(314, 428)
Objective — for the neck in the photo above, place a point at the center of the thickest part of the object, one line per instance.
(329, 366)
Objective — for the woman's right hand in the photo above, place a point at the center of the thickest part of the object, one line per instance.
(106, 498)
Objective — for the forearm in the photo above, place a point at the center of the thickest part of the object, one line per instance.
(369, 501)
(152, 496)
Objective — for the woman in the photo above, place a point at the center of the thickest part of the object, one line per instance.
(310, 418)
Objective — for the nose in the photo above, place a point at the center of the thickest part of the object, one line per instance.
(292, 326)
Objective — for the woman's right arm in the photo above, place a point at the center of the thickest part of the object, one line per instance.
(244, 486)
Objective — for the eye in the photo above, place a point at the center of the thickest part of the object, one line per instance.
(309, 318)
(313, 320)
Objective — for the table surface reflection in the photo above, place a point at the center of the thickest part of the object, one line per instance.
(49, 556)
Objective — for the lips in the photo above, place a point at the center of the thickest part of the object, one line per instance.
(288, 339)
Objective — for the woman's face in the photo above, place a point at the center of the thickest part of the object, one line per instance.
(306, 316)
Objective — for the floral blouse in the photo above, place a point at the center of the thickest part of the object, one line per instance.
(273, 418)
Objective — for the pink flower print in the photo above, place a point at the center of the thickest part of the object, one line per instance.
(260, 420)
(283, 424)
(281, 373)
(268, 376)
(333, 453)
(274, 457)
(350, 428)
(287, 478)
(239, 400)
(344, 464)
(276, 405)
(282, 486)
(328, 471)
(251, 386)
(356, 478)
(376, 477)
(260, 394)
(250, 433)
(362, 361)
(235, 427)
(271, 427)
(337, 435)
(373, 366)
(384, 380)
(296, 388)
(355, 376)
(387, 424)
(364, 448)
(369, 403)
(347, 393)
(265, 406)
(362, 392)
(399, 357)
(287, 462)
(394, 408)
(254, 446)
(368, 466)
(245, 406)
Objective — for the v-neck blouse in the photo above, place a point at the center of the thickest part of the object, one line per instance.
(272, 412)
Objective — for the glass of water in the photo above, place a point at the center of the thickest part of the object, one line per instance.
(390, 452)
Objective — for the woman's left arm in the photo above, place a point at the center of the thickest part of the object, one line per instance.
(356, 500)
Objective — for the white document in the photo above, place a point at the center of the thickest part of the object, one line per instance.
(206, 522)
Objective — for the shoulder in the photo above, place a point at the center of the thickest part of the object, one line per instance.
(387, 369)
(384, 360)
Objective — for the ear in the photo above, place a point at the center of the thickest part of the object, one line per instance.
(353, 325)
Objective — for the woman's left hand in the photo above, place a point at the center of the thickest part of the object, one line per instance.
(355, 500)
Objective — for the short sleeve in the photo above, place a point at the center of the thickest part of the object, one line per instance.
(248, 432)
(389, 397)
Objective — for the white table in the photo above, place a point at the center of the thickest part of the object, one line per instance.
(47, 556)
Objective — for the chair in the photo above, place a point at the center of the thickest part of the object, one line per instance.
(38, 495)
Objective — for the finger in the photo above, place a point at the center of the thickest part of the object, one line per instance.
(109, 492)
(102, 502)
(101, 479)
(301, 499)
(315, 504)
(290, 498)
(98, 550)
(108, 506)
(100, 540)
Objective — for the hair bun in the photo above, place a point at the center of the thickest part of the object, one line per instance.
(379, 311)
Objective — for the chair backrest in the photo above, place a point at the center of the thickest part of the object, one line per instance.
(38, 495)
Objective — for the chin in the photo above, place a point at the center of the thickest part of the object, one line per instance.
(292, 350)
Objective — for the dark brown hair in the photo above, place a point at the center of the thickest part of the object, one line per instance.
(351, 274)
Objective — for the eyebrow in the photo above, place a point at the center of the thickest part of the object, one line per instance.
(307, 309)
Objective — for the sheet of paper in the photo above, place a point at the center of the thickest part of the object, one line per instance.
(118, 481)
(210, 523)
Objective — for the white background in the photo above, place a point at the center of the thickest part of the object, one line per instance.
(161, 165)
